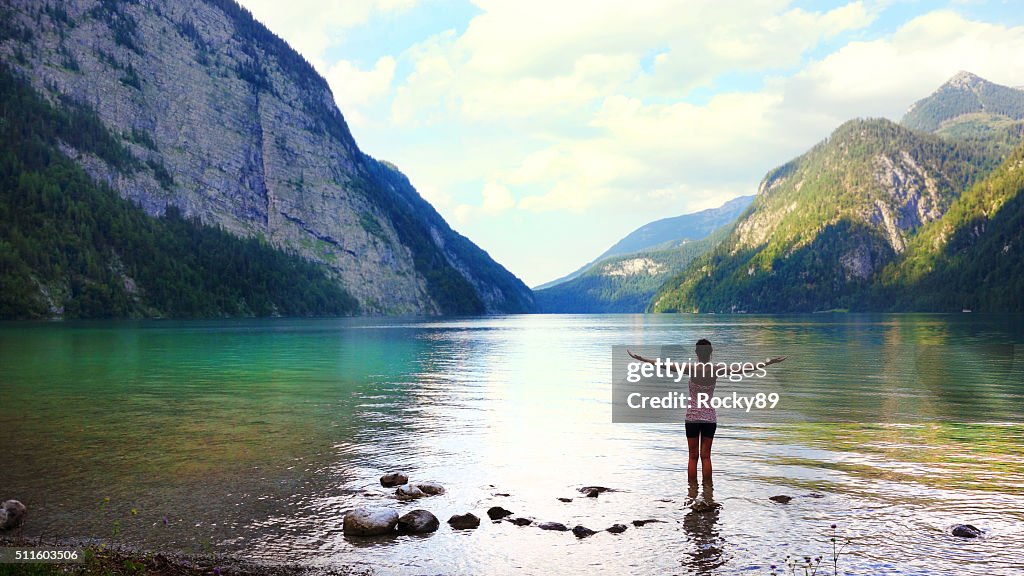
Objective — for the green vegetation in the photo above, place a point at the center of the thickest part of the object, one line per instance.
(983, 126)
(659, 235)
(815, 238)
(71, 247)
(418, 224)
(965, 94)
(263, 46)
(972, 257)
(609, 286)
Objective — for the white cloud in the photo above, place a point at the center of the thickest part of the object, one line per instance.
(437, 198)
(591, 112)
(355, 89)
(539, 58)
(568, 81)
(311, 26)
(496, 198)
(883, 76)
(462, 213)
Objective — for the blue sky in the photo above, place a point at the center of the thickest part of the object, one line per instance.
(545, 131)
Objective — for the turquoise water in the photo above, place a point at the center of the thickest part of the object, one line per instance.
(253, 437)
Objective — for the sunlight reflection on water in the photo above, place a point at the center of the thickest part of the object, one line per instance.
(254, 437)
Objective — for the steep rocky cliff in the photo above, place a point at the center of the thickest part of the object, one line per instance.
(228, 124)
(972, 257)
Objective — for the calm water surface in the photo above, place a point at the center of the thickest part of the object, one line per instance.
(253, 437)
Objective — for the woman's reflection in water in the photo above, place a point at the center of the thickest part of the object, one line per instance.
(700, 525)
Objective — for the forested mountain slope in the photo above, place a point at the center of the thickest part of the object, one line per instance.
(221, 121)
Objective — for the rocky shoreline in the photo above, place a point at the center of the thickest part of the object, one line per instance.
(117, 560)
(99, 558)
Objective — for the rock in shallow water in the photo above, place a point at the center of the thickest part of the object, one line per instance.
(431, 488)
(418, 522)
(703, 506)
(464, 521)
(409, 492)
(370, 521)
(392, 479)
(497, 512)
(556, 526)
(617, 528)
(639, 523)
(12, 514)
(519, 521)
(966, 531)
(582, 531)
(781, 499)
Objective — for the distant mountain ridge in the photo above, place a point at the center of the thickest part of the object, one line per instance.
(223, 122)
(666, 233)
(623, 279)
(624, 283)
(679, 228)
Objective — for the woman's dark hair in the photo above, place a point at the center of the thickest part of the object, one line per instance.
(703, 350)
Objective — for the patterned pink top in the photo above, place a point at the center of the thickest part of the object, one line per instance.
(701, 385)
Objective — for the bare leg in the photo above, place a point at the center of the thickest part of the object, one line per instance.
(691, 467)
(705, 459)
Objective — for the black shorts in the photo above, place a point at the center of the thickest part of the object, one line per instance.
(703, 429)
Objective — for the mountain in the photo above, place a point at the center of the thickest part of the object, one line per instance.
(972, 257)
(205, 116)
(628, 274)
(72, 248)
(824, 226)
(664, 234)
(966, 105)
(679, 229)
(624, 283)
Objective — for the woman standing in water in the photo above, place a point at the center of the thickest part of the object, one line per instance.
(702, 421)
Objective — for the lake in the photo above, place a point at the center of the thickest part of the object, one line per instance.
(253, 437)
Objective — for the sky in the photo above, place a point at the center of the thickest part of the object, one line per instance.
(546, 131)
